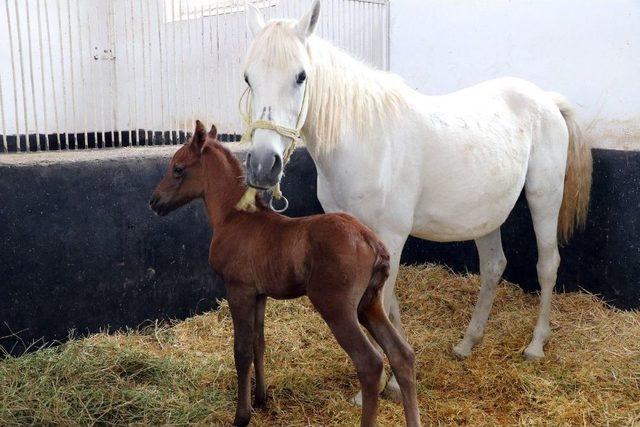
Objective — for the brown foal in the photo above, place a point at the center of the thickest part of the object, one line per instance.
(333, 259)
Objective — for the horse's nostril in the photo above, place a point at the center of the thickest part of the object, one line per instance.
(277, 165)
(153, 201)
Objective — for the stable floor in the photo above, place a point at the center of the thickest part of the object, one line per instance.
(184, 374)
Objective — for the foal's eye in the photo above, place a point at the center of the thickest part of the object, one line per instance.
(178, 171)
(301, 77)
(246, 80)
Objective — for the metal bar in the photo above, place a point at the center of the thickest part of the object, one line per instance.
(73, 84)
(2, 120)
(83, 77)
(32, 81)
(144, 64)
(175, 71)
(102, 80)
(21, 63)
(126, 60)
(191, 81)
(202, 58)
(184, 98)
(53, 86)
(217, 56)
(92, 70)
(150, 70)
(64, 83)
(135, 77)
(387, 41)
(42, 79)
(115, 105)
(160, 26)
(13, 77)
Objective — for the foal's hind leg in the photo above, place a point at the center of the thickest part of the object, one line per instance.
(492, 265)
(400, 354)
(340, 314)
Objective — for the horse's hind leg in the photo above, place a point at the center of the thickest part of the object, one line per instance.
(492, 265)
(342, 320)
(543, 189)
(400, 354)
(544, 206)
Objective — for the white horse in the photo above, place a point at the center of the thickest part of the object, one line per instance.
(442, 168)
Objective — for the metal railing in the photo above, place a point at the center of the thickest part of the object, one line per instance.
(107, 73)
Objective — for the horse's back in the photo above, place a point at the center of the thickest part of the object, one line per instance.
(475, 151)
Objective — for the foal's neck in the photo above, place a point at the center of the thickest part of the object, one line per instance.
(224, 183)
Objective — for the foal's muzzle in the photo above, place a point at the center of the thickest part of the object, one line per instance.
(263, 169)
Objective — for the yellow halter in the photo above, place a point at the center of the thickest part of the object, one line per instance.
(247, 202)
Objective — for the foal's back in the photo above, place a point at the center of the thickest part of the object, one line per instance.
(283, 256)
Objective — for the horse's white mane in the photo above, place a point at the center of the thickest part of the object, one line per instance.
(343, 91)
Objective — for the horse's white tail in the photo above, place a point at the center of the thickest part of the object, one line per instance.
(577, 180)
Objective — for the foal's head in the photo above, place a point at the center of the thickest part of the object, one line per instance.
(184, 179)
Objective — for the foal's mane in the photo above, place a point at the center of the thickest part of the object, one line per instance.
(343, 91)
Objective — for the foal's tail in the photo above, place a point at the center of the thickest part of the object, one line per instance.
(577, 180)
(379, 270)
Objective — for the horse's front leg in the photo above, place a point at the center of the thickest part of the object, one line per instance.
(242, 303)
(258, 352)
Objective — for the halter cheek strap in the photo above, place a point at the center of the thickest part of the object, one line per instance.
(247, 202)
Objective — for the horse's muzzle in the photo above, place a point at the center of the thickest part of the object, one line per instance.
(263, 170)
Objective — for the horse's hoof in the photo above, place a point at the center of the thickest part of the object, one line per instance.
(357, 399)
(533, 353)
(392, 392)
(461, 351)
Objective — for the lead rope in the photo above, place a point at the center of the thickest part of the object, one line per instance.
(248, 200)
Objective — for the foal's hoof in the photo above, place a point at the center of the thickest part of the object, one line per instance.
(357, 399)
(392, 391)
(533, 353)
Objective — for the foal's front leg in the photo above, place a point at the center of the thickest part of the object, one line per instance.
(242, 303)
(258, 352)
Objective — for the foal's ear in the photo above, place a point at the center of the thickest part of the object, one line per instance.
(307, 24)
(199, 137)
(213, 132)
(255, 21)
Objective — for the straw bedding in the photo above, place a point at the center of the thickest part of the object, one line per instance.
(183, 373)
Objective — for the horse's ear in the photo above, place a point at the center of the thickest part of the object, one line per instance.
(199, 137)
(307, 24)
(213, 132)
(255, 21)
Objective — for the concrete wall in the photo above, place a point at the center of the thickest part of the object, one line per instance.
(81, 250)
(586, 49)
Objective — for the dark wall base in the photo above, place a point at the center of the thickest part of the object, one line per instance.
(81, 249)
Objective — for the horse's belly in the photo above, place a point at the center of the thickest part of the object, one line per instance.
(468, 205)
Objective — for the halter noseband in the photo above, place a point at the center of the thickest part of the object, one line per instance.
(247, 202)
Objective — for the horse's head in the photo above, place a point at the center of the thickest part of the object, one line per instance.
(184, 179)
(276, 70)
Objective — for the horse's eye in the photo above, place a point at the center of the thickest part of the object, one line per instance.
(246, 80)
(178, 171)
(302, 76)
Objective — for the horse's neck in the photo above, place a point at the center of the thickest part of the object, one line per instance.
(223, 187)
(350, 104)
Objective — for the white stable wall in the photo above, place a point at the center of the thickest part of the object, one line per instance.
(589, 50)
